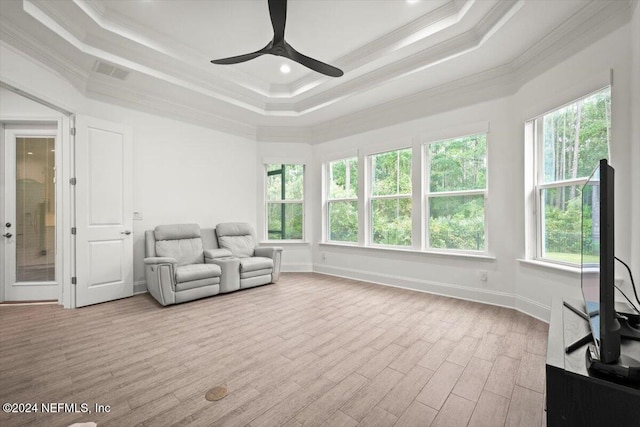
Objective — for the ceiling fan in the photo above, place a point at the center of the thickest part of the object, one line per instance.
(278, 46)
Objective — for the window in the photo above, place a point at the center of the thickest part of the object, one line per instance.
(456, 189)
(569, 143)
(390, 200)
(285, 202)
(342, 200)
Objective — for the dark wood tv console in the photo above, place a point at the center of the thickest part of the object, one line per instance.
(575, 397)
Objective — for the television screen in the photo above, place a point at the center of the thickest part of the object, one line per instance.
(591, 252)
(597, 253)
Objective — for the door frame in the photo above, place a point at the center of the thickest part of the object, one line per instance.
(64, 164)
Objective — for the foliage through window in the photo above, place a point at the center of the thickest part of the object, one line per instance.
(342, 200)
(390, 198)
(285, 202)
(569, 143)
(457, 181)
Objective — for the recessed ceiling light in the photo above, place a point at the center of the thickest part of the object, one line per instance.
(30, 153)
(412, 1)
(285, 68)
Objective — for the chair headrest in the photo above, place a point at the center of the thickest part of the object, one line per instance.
(176, 231)
(233, 229)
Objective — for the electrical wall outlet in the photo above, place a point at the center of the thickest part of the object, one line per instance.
(484, 276)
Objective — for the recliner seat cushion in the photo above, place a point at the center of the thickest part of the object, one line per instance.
(188, 273)
(255, 263)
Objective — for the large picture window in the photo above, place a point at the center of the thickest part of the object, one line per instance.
(342, 200)
(569, 143)
(285, 202)
(456, 189)
(390, 198)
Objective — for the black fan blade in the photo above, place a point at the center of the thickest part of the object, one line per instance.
(278, 13)
(239, 58)
(314, 64)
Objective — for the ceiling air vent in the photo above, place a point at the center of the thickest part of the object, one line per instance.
(110, 70)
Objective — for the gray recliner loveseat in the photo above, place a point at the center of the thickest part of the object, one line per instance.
(184, 262)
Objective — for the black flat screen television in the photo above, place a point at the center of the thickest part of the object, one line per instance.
(597, 276)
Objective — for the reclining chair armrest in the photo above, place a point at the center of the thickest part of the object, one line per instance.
(217, 253)
(160, 276)
(275, 253)
(267, 251)
(160, 260)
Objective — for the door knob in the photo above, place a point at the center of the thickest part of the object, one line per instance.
(8, 225)
(127, 232)
(7, 235)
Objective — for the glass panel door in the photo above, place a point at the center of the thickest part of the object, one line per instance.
(35, 209)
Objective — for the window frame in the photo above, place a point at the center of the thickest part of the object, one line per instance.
(370, 197)
(537, 129)
(427, 194)
(283, 202)
(329, 200)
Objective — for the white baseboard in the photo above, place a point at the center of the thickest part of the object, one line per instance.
(296, 268)
(139, 287)
(533, 308)
(486, 296)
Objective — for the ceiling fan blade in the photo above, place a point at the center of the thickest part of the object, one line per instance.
(278, 13)
(311, 63)
(239, 58)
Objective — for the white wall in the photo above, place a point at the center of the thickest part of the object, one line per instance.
(511, 282)
(188, 173)
(182, 172)
(580, 74)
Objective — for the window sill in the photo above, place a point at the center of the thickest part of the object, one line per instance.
(479, 257)
(284, 243)
(550, 266)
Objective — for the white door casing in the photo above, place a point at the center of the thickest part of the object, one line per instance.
(104, 214)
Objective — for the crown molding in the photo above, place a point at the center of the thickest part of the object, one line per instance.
(284, 134)
(25, 45)
(480, 87)
(582, 29)
(106, 90)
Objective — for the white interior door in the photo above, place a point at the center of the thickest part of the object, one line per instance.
(28, 219)
(104, 214)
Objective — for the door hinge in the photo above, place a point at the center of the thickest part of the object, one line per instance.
(74, 280)
(72, 181)
(73, 131)
(73, 230)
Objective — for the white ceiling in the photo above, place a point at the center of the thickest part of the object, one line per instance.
(393, 53)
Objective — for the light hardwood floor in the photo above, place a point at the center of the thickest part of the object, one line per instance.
(310, 350)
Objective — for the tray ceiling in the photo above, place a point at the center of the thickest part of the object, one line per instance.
(154, 54)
